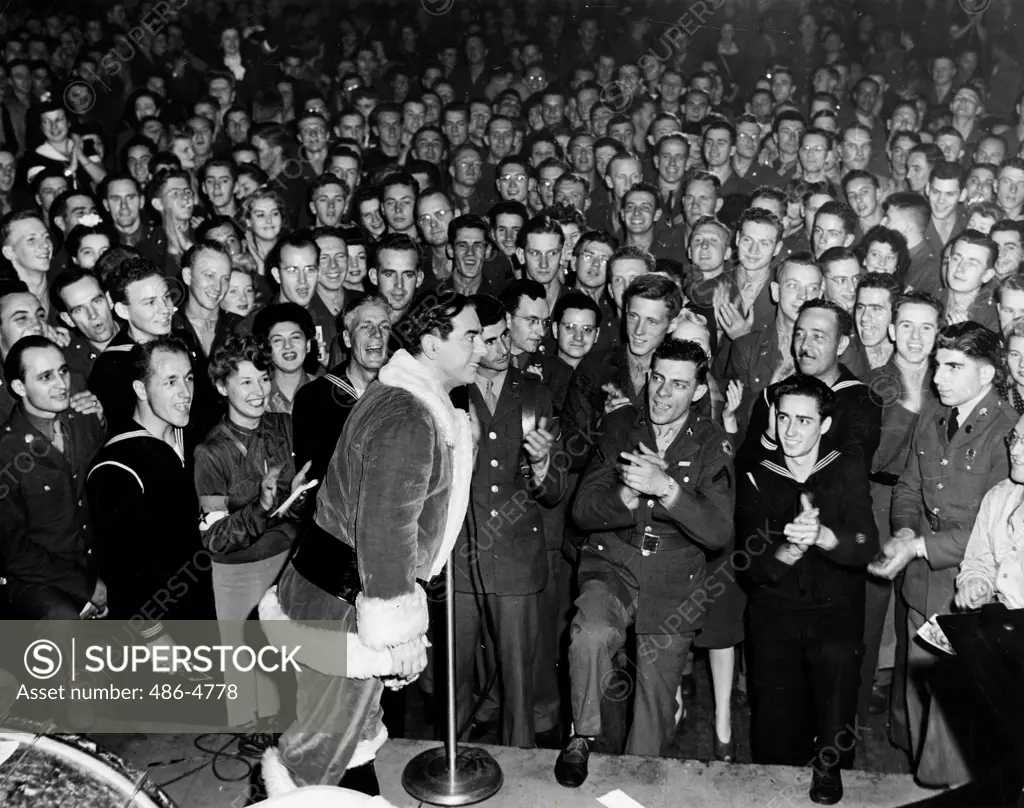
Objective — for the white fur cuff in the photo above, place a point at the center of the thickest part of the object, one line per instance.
(386, 622)
(332, 653)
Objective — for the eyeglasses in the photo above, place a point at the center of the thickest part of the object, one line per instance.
(576, 329)
(475, 164)
(292, 272)
(1012, 440)
(534, 322)
(813, 149)
(512, 178)
(428, 218)
(595, 258)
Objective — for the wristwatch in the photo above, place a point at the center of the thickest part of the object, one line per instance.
(670, 488)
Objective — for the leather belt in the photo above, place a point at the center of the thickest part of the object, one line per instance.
(327, 562)
(650, 543)
(884, 478)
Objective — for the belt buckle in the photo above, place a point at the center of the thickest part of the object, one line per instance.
(649, 544)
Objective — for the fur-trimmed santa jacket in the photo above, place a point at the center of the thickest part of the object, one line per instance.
(396, 491)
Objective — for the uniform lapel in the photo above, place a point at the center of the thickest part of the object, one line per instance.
(508, 400)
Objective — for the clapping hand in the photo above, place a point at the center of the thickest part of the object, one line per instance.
(616, 398)
(972, 592)
(733, 399)
(896, 554)
(728, 315)
(644, 471)
(804, 529)
(538, 443)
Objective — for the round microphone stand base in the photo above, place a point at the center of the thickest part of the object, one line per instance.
(475, 777)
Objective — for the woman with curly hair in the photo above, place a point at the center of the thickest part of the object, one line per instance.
(263, 216)
(244, 470)
(884, 250)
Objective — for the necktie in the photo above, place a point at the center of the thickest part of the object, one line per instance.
(58, 436)
(954, 423)
(490, 397)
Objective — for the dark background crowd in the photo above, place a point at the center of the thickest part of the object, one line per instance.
(218, 214)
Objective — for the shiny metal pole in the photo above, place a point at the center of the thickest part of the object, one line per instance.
(449, 775)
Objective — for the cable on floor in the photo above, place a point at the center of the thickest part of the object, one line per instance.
(250, 748)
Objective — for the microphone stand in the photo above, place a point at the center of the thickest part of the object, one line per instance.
(448, 775)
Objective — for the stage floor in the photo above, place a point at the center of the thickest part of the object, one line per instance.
(529, 781)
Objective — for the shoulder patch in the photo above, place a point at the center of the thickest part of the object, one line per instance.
(727, 449)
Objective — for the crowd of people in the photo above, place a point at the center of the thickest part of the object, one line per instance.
(732, 291)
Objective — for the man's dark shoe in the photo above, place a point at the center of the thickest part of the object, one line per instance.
(571, 766)
(549, 738)
(826, 785)
(688, 686)
(362, 779)
(879, 701)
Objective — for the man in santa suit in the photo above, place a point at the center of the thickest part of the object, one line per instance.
(387, 515)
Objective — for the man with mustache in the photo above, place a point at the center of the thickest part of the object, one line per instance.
(820, 335)
(47, 536)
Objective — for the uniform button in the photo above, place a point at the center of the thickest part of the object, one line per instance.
(939, 486)
(79, 503)
(647, 529)
(494, 463)
(535, 530)
(600, 547)
(46, 488)
(944, 462)
(494, 489)
(650, 503)
(935, 510)
(494, 513)
(686, 479)
(492, 435)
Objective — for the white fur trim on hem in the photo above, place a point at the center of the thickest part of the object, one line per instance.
(332, 653)
(366, 750)
(277, 780)
(387, 622)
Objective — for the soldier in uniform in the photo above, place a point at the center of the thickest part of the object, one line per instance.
(957, 454)
(46, 447)
(500, 555)
(764, 357)
(656, 493)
